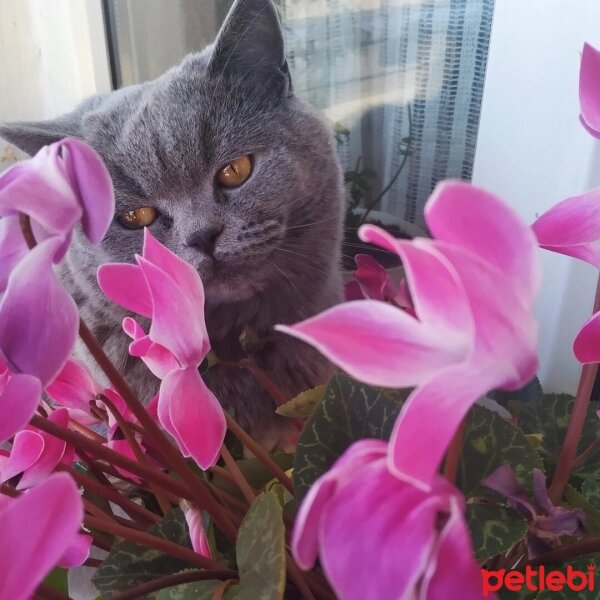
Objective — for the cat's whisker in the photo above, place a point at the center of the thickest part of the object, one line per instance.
(333, 218)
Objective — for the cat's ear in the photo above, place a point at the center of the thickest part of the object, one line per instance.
(250, 45)
(31, 136)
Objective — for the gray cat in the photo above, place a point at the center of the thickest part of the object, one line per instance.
(239, 177)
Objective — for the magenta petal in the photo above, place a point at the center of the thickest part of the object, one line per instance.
(305, 537)
(92, 183)
(12, 248)
(438, 296)
(377, 535)
(77, 552)
(124, 447)
(26, 450)
(32, 185)
(177, 324)
(380, 344)
(429, 419)
(372, 278)
(453, 566)
(193, 517)
(18, 402)
(184, 275)
(572, 227)
(478, 221)
(53, 512)
(196, 418)
(73, 387)
(126, 285)
(587, 343)
(38, 319)
(589, 89)
(51, 456)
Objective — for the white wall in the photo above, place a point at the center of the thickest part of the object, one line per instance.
(533, 152)
(52, 55)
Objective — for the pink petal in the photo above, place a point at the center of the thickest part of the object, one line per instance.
(453, 566)
(51, 456)
(438, 295)
(194, 518)
(124, 447)
(353, 291)
(506, 332)
(429, 419)
(195, 417)
(377, 535)
(380, 344)
(77, 552)
(33, 185)
(26, 450)
(126, 285)
(91, 182)
(18, 402)
(186, 277)
(589, 89)
(572, 227)
(177, 324)
(53, 512)
(587, 343)
(73, 387)
(305, 536)
(12, 248)
(476, 220)
(156, 357)
(38, 319)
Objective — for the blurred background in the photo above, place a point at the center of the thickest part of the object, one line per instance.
(415, 91)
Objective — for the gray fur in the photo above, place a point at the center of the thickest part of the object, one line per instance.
(278, 255)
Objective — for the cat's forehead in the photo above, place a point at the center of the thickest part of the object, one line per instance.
(182, 126)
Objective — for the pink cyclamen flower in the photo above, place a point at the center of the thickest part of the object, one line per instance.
(168, 290)
(64, 184)
(465, 337)
(380, 538)
(589, 89)
(54, 512)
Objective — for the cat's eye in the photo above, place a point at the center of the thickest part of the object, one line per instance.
(235, 172)
(139, 217)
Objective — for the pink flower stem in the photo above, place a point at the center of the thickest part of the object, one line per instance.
(135, 511)
(261, 454)
(45, 592)
(566, 459)
(133, 443)
(171, 580)
(200, 493)
(152, 541)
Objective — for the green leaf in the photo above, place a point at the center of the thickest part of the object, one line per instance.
(130, 564)
(261, 551)
(58, 579)
(494, 529)
(348, 411)
(197, 590)
(303, 404)
(489, 442)
(550, 417)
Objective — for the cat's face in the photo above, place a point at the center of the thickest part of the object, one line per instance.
(220, 160)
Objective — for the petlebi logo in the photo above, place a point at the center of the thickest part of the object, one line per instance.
(539, 579)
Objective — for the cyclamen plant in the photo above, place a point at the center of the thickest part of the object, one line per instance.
(402, 484)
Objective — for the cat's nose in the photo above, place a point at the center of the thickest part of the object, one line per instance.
(205, 239)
